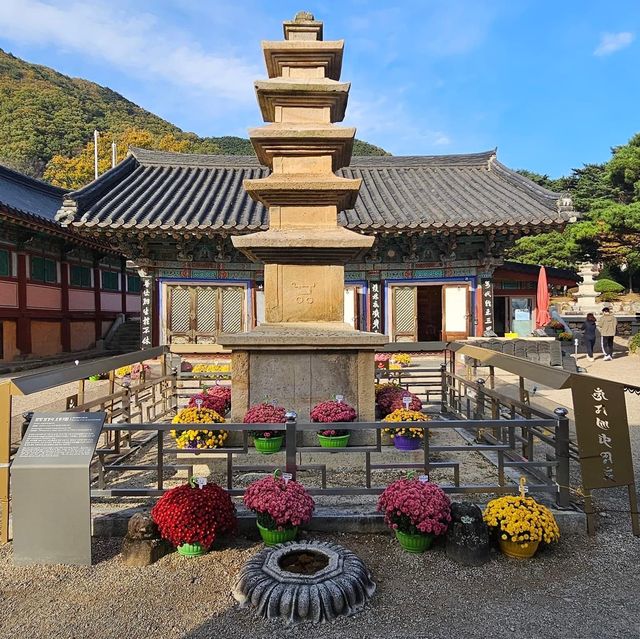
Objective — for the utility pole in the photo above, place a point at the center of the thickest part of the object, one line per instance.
(95, 152)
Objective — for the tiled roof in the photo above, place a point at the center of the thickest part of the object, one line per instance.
(25, 195)
(33, 204)
(160, 190)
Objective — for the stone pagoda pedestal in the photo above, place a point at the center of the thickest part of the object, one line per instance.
(304, 353)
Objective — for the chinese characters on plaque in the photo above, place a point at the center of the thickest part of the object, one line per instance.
(375, 319)
(486, 290)
(146, 312)
(603, 433)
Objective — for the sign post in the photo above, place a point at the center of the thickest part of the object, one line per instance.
(603, 441)
(51, 501)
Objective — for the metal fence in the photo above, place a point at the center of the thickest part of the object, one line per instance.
(509, 436)
(515, 436)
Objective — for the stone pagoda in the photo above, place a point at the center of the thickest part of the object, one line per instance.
(304, 353)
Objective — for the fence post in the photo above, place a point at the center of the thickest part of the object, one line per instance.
(290, 443)
(562, 457)
(480, 399)
(5, 455)
(443, 387)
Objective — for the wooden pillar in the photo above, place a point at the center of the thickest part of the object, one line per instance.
(5, 454)
(64, 296)
(23, 325)
(96, 300)
(123, 284)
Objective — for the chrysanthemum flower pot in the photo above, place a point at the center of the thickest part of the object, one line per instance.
(268, 445)
(191, 550)
(275, 537)
(339, 441)
(407, 443)
(517, 549)
(414, 543)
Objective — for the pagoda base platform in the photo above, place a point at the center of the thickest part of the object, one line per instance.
(299, 366)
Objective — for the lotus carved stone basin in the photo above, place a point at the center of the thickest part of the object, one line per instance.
(301, 581)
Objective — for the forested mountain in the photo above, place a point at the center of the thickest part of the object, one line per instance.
(45, 116)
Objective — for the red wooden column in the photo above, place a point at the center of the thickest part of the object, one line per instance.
(23, 328)
(123, 285)
(64, 295)
(96, 300)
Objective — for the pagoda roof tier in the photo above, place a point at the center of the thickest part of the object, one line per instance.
(281, 56)
(302, 93)
(303, 140)
(304, 246)
(177, 191)
(303, 189)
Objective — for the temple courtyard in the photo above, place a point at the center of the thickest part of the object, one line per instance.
(582, 587)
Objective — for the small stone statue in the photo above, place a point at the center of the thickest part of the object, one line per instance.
(142, 544)
(468, 536)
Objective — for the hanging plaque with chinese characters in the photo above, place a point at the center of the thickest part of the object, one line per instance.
(376, 325)
(146, 312)
(603, 433)
(486, 290)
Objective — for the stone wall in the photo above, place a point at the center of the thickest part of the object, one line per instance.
(628, 325)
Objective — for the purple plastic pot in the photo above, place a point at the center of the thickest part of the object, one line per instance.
(407, 443)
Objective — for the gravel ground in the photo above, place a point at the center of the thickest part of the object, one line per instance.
(580, 588)
(583, 587)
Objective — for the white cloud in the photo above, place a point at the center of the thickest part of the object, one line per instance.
(612, 42)
(388, 124)
(137, 43)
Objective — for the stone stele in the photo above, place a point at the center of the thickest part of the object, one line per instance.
(304, 353)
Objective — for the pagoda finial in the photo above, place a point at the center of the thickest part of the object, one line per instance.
(303, 27)
(304, 16)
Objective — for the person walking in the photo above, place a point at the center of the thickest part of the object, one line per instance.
(608, 326)
(589, 332)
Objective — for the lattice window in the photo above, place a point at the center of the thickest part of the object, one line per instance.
(206, 309)
(404, 309)
(180, 321)
(232, 309)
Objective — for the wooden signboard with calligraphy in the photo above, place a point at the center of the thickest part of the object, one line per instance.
(146, 312)
(603, 440)
(486, 290)
(376, 320)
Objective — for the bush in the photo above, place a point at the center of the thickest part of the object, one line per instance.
(608, 286)
(188, 514)
(217, 398)
(279, 504)
(608, 297)
(333, 411)
(414, 507)
(634, 343)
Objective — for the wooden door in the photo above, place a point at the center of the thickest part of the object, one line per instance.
(405, 317)
(455, 305)
(350, 303)
(197, 314)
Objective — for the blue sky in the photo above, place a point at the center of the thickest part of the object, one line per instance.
(553, 84)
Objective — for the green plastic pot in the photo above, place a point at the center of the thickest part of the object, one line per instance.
(414, 543)
(191, 550)
(268, 445)
(275, 537)
(334, 442)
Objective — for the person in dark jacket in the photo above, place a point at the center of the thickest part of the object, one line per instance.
(589, 331)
